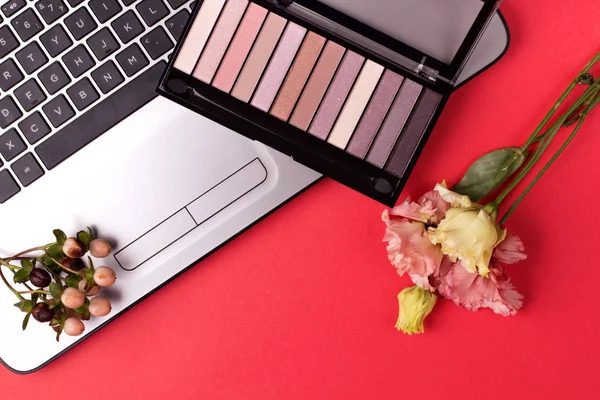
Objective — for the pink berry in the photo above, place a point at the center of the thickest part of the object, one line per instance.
(99, 307)
(73, 248)
(73, 327)
(105, 276)
(91, 292)
(100, 248)
(72, 298)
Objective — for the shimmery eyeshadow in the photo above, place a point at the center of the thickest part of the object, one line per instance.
(239, 48)
(298, 75)
(259, 57)
(375, 114)
(278, 67)
(336, 95)
(317, 85)
(394, 123)
(219, 39)
(407, 146)
(198, 35)
(355, 105)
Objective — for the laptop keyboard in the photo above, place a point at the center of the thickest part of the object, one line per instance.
(72, 69)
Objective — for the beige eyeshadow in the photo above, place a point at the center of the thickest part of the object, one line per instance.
(259, 57)
(298, 75)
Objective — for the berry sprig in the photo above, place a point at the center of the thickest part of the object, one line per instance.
(65, 288)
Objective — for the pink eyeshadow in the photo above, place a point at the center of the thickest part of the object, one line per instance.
(240, 47)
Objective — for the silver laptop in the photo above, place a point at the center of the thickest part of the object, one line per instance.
(84, 140)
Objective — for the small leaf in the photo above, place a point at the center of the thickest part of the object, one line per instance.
(56, 290)
(34, 298)
(27, 265)
(91, 265)
(21, 276)
(26, 320)
(89, 274)
(24, 305)
(60, 236)
(489, 172)
(55, 251)
(84, 310)
(85, 238)
(73, 280)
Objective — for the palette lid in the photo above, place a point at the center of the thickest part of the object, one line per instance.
(434, 38)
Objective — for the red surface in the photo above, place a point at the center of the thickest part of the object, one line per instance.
(304, 305)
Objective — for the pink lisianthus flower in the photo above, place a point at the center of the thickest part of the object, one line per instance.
(509, 251)
(409, 249)
(473, 291)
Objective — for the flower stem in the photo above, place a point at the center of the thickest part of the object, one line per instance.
(62, 266)
(9, 286)
(582, 118)
(34, 291)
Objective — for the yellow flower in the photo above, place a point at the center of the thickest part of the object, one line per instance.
(415, 305)
(469, 235)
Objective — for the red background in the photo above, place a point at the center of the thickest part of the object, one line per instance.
(303, 306)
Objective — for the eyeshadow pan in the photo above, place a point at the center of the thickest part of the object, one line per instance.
(298, 75)
(355, 105)
(259, 57)
(219, 39)
(375, 114)
(317, 85)
(239, 48)
(198, 35)
(413, 133)
(336, 95)
(394, 123)
(278, 67)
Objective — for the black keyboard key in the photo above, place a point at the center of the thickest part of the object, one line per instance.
(74, 3)
(128, 2)
(176, 24)
(51, 10)
(80, 23)
(177, 3)
(8, 186)
(12, 6)
(78, 60)
(105, 9)
(54, 78)
(31, 57)
(56, 40)
(127, 26)
(103, 44)
(152, 11)
(34, 127)
(9, 112)
(29, 95)
(10, 74)
(107, 77)
(27, 169)
(11, 144)
(132, 60)
(82, 94)
(58, 111)
(27, 24)
(98, 119)
(8, 41)
(157, 42)
(194, 4)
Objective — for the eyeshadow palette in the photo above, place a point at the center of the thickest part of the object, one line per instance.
(318, 85)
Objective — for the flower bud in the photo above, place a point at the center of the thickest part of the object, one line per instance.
(415, 305)
(42, 313)
(94, 290)
(100, 248)
(74, 264)
(99, 307)
(39, 278)
(73, 327)
(73, 248)
(72, 298)
(105, 276)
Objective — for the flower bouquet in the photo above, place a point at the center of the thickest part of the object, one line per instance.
(452, 242)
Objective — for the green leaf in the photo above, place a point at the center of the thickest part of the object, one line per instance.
(489, 172)
(27, 265)
(24, 305)
(73, 280)
(26, 320)
(21, 276)
(60, 236)
(89, 274)
(56, 290)
(85, 238)
(84, 310)
(55, 251)
(91, 265)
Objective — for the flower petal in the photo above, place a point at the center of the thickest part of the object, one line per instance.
(510, 251)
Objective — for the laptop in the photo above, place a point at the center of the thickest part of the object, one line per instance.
(86, 141)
